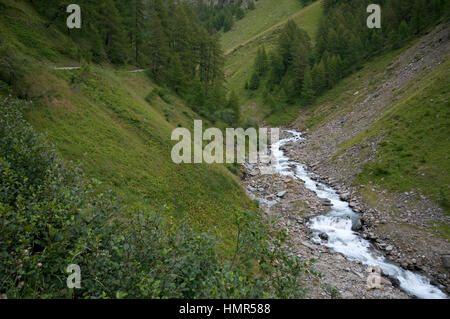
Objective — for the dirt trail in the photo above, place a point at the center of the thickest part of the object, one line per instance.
(78, 67)
(66, 68)
(272, 28)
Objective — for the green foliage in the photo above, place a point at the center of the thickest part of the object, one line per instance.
(233, 104)
(216, 17)
(261, 62)
(342, 44)
(118, 123)
(261, 28)
(343, 34)
(253, 84)
(12, 72)
(285, 72)
(319, 77)
(164, 37)
(308, 89)
(51, 217)
(45, 204)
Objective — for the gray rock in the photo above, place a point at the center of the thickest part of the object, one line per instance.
(281, 194)
(357, 226)
(446, 261)
(254, 173)
(394, 281)
(323, 236)
(372, 236)
(325, 202)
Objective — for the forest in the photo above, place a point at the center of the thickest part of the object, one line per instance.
(177, 43)
(297, 72)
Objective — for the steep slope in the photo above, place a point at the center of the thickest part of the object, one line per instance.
(240, 59)
(382, 137)
(117, 123)
(266, 16)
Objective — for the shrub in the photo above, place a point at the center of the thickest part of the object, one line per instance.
(43, 205)
(52, 217)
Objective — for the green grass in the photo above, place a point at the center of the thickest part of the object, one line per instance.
(339, 100)
(102, 117)
(416, 128)
(441, 229)
(239, 64)
(266, 14)
(414, 153)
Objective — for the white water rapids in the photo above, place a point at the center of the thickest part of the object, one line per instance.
(337, 225)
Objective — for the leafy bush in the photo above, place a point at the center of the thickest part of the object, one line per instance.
(51, 218)
(41, 198)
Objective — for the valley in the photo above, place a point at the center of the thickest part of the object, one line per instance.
(106, 161)
(408, 227)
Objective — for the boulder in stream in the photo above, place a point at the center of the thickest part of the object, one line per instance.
(357, 226)
(325, 202)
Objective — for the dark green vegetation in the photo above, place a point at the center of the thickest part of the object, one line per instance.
(291, 73)
(296, 74)
(262, 28)
(167, 230)
(164, 230)
(52, 217)
(165, 37)
(117, 124)
(287, 69)
(221, 17)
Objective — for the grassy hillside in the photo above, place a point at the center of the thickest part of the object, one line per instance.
(239, 63)
(267, 14)
(414, 151)
(110, 120)
(412, 129)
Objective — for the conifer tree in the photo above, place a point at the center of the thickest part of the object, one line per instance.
(318, 74)
(261, 62)
(254, 82)
(307, 89)
(233, 104)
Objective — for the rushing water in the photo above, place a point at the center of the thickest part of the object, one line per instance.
(337, 225)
